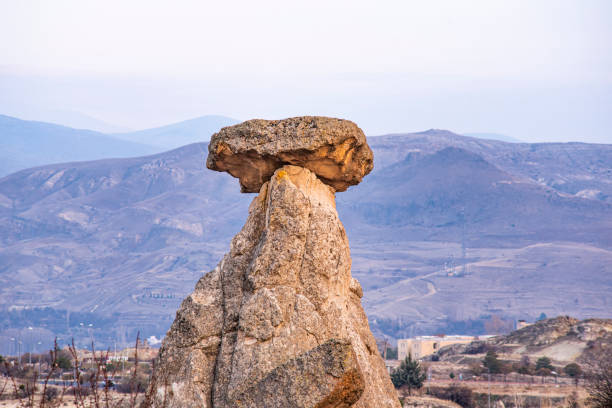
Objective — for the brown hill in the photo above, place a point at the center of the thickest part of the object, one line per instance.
(562, 339)
(446, 231)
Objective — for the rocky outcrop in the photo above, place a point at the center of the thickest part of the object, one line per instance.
(334, 149)
(279, 322)
(563, 339)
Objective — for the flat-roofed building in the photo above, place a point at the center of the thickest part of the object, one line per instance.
(422, 346)
(522, 323)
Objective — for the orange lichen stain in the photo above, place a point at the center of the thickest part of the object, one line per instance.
(346, 392)
(281, 174)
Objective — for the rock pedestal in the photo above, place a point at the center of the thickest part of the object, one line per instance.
(279, 322)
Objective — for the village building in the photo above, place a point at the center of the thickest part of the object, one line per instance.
(422, 346)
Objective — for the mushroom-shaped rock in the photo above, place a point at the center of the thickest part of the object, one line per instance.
(335, 150)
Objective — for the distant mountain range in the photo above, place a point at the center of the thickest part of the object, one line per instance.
(25, 143)
(493, 136)
(445, 232)
(181, 133)
(449, 228)
(69, 118)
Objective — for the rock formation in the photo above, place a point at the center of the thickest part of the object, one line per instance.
(279, 322)
(334, 149)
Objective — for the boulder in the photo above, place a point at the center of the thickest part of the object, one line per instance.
(326, 376)
(334, 149)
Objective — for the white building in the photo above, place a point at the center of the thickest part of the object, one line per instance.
(422, 346)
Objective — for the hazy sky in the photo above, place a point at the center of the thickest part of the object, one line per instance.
(533, 70)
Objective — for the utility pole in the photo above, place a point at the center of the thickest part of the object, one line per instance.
(39, 357)
(30, 344)
(489, 388)
(385, 349)
(90, 329)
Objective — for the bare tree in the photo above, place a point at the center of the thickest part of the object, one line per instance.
(152, 398)
(26, 393)
(91, 397)
(599, 383)
(84, 388)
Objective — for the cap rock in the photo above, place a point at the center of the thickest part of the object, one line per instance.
(334, 149)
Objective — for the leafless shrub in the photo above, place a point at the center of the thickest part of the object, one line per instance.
(27, 392)
(599, 382)
(151, 398)
(84, 386)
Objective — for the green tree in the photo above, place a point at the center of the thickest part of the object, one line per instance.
(1, 359)
(524, 366)
(544, 362)
(492, 363)
(409, 374)
(522, 369)
(544, 372)
(63, 361)
(574, 371)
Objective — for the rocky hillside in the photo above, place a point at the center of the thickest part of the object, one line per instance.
(129, 236)
(579, 169)
(445, 231)
(562, 339)
(448, 229)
